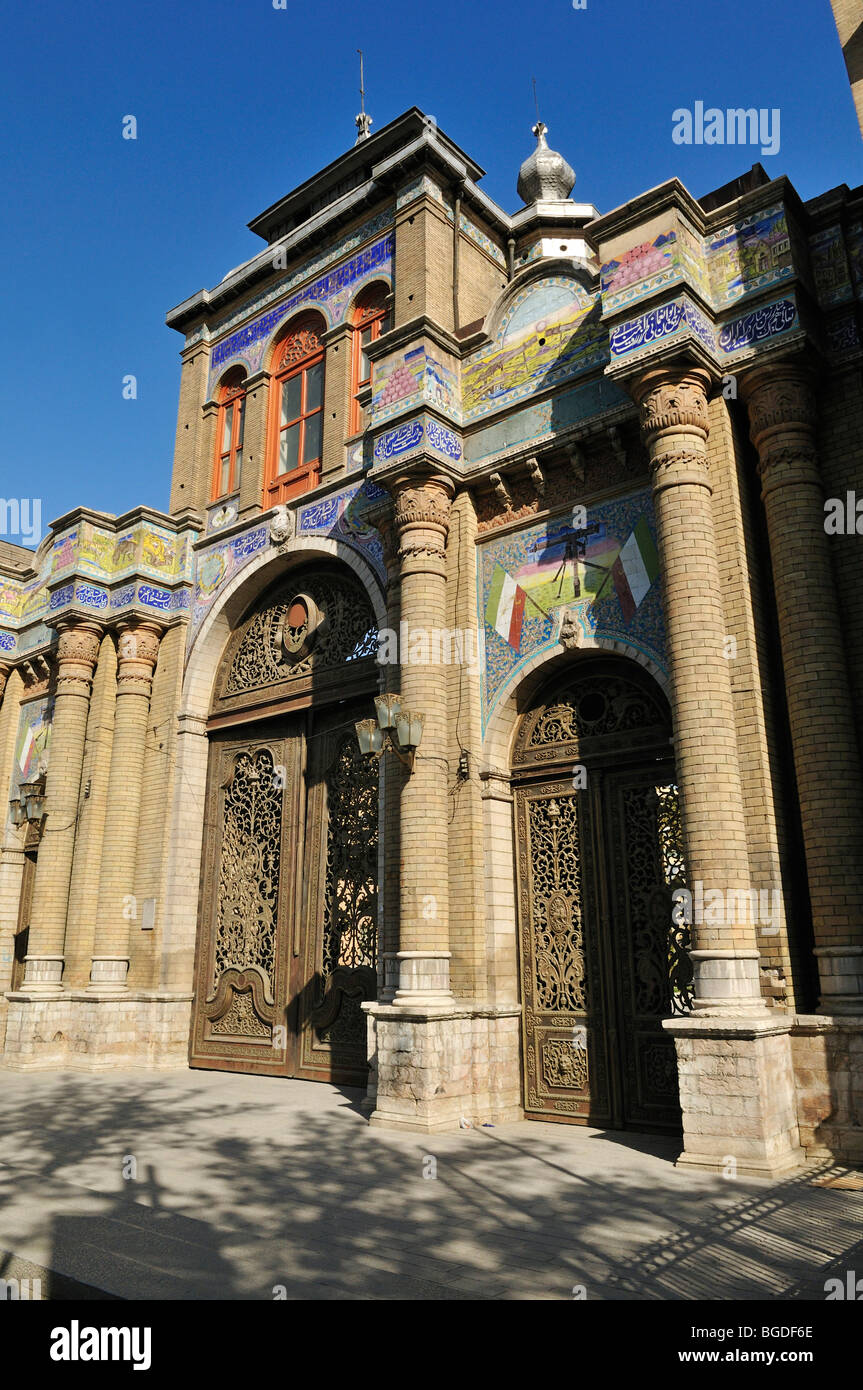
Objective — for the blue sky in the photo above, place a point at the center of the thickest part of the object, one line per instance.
(236, 103)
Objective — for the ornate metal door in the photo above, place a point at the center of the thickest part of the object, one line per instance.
(598, 856)
(242, 979)
(336, 961)
(288, 909)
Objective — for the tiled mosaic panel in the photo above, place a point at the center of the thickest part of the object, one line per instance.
(542, 560)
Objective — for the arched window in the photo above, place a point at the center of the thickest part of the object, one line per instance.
(296, 412)
(228, 465)
(370, 319)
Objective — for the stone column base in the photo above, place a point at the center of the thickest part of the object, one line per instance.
(84, 1032)
(840, 971)
(438, 1069)
(108, 976)
(737, 1095)
(828, 1071)
(43, 975)
(423, 981)
(727, 982)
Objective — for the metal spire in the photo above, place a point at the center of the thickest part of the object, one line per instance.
(540, 129)
(363, 122)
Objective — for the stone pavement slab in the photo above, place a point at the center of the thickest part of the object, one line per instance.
(204, 1185)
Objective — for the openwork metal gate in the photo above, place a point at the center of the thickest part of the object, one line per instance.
(598, 857)
(288, 912)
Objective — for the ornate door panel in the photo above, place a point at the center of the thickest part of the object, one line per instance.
(242, 979)
(288, 929)
(565, 1034)
(598, 856)
(337, 964)
(652, 969)
(288, 911)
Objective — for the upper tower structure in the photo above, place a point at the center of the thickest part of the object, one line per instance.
(545, 176)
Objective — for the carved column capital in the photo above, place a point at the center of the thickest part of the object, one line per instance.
(672, 400)
(137, 652)
(780, 399)
(672, 405)
(421, 518)
(777, 396)
(77, 654)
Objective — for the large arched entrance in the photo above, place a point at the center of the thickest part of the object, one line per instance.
(286, 945)
(599, 853)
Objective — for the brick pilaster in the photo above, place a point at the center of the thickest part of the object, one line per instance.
(421, 519)
(674, 422)
(782, 416)
(137, 652)
(77, 653)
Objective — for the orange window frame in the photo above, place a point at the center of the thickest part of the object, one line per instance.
(301, 352)
(228, 460)
(371, 319)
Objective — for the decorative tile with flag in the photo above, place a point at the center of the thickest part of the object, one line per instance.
(504, 610)
(634, 570)
(28, 758)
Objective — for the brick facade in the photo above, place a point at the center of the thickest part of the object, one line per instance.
(588, 439)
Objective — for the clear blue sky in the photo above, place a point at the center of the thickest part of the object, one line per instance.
(237, 103)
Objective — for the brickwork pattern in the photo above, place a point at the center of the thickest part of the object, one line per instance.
(840, 455)
(466, 855)
(186, 485)
(823, 726)
(675, 424)
(255, 422)
(848, 15)
(12, 847)
(84, 886)
(743, 603)
(77, 653)
(137, 651)
(155, 834)
(422, 508)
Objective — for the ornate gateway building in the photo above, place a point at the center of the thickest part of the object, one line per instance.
(478, 724)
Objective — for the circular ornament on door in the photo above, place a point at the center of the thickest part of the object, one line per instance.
(300, 628)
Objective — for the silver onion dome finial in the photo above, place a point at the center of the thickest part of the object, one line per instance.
(545, 176)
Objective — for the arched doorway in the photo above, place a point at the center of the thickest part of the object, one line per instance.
(286, 945)
(599, 853)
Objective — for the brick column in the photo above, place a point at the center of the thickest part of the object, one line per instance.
(823, 727)
(183, 875)
(393, 775)
(673, 406)
(11, 848)
(421, 519)
(733, 1054)
(137, 650)
(77, 653)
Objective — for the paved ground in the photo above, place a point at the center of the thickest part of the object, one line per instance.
(245, 1183)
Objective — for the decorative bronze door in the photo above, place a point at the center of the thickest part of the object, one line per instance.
(598, 857)
(288, 925)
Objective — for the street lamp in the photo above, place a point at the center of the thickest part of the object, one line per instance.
(396, 729)
(29, 804)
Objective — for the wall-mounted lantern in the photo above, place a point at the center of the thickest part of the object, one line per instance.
(29, 804)
(396, 729)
